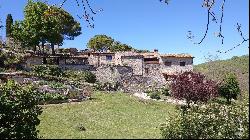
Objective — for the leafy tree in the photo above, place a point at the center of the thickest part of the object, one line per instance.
(193, 87)
(9, 22)
(118, 46)
(230, 87)
(43, 23)
(18, 111)
(60, 25)
(100, 42)
(104, 42)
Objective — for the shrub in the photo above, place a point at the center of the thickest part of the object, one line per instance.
(81, 76)
(193, 87)
(9, 59)
(55, 71)
(51, 98)
(213, 121)
(18, 111)
(165, 92)
(51, 70)
(89, 77)
(155, 95)
(229, 89)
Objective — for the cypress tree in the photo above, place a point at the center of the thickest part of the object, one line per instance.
(9, 22)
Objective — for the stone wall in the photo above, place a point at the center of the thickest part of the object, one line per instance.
(100, 59)
(93, 60)
(175, 67)
(112, 74)
(118, 56)
(127, 80)
(35, 60)
(154, 71)
(103, 60)
(135, 62)
(77, 67)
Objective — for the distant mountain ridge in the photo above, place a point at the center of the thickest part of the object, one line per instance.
(217, 69)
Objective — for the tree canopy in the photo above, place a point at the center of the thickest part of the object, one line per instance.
(44, 23)
(104, 42)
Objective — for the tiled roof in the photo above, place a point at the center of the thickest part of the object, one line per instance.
(177, 55)
(150, 54)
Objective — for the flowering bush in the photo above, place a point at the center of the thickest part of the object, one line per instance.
(213, 121)
(193, 87)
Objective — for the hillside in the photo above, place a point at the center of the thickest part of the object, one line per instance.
(217, 69)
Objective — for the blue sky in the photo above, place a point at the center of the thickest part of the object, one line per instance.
(149, 24)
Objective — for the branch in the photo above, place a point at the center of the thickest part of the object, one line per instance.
(86, 14)
(221, 21)
(208, 4)
(243, 40)
(208, 22)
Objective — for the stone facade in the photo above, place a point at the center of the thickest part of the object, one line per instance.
(135, 62)
(34, 60)
(100, 59)
(172, 65)
(134, 71)
(112, 74)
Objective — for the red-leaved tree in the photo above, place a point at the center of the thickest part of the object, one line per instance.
(193, 87)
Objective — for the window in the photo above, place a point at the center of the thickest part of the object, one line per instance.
(182, 64)
(108, 57)
(168, 63)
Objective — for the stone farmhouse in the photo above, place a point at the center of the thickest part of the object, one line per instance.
(141, 70)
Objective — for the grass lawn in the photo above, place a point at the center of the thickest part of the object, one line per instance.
(106, 116)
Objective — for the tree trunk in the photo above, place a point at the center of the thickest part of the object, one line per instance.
(34, 49)
(43, 46)
(53, 49)
(39, 50)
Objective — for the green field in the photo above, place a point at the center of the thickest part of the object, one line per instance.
(106, 116)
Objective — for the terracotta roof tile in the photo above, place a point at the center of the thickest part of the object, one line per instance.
(177, 55)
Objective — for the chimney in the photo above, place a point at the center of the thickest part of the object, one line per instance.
(156, 50)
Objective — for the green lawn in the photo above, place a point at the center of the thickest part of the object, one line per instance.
(106, 116)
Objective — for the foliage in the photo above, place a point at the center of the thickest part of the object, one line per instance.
(193, 87)
(89, 77)
(230, 87)
(155, 95)
(213, 121)
(165, 91)
(48, 98)
(9, 22)
(104, 42)
(117, 46)
(52, 70)
(86, 76)
(100, 42)
(19, 111)
(45, 23)
(216, 70)
(9, 59)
